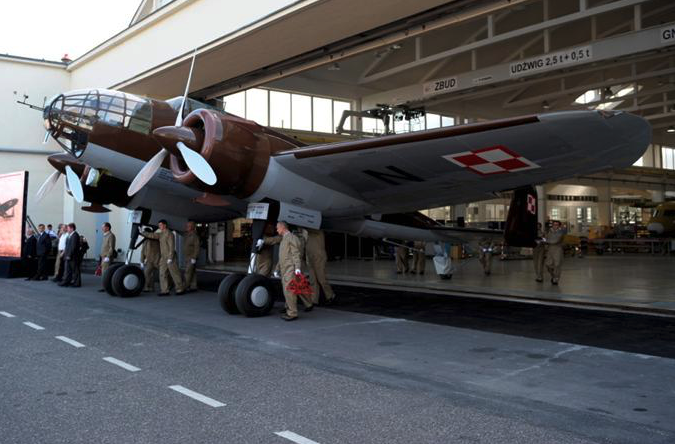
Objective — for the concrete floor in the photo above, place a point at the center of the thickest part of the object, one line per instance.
(334, 376)
(639, 282)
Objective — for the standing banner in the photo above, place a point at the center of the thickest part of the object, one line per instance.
(13, 192)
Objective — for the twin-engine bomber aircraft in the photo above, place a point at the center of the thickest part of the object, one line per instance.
(143, 154)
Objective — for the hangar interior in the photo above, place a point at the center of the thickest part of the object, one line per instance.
(474, 56)
(424, 64)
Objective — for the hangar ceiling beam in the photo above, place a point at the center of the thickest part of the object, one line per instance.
(494, 90)
(333, 54)
(492, 20)
(606, 50)
(542, 26)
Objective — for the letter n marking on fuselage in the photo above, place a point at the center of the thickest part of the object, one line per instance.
(393, 179)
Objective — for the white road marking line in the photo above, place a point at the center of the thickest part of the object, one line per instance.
(122, 364)
(7, 315)
(72, 342)
(194, 395)
(35, 326)
(295, 437)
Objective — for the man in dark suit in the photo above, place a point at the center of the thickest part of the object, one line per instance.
(71, 257)
(42, 250)
(29, 254)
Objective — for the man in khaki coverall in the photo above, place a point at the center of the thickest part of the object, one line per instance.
(107, 249)
(401, 259)
(149, 261)
(167, 259)
(265, 256)
(554, 252)
(539, 254)
(315, 252)
(419, 257)
(290, 266)
(190, 254)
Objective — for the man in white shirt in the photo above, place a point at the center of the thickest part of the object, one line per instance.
(59, 266)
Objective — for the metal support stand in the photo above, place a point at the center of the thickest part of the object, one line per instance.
(135, 234)
(257, 231)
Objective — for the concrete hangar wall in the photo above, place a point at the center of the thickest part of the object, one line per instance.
(381, 51)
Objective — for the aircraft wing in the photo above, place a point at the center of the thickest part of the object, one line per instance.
(466, 163)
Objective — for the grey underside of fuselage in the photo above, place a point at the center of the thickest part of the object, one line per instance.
(163, 193)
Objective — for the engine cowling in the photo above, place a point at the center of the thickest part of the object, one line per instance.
(238, 150)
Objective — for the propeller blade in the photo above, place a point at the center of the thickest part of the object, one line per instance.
(47, 186)
(179, 117)
(92, 177)
(74, 184)
(147, 172)
(46, 138)
(197, 164)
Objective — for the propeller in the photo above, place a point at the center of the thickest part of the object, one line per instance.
(92, 177)
(47, 186)
(195, 162)
(74, 184)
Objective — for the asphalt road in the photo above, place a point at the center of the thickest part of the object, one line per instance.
(122, 369)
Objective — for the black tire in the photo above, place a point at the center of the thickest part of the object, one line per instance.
(128, 281)
(107, 278)
(226, 292)
(255, 295)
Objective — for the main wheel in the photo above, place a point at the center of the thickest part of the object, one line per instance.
(107, 278)
(128, 281)
(255, 295)
(226, 291)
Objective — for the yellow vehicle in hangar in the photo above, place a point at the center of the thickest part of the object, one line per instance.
(662, 223)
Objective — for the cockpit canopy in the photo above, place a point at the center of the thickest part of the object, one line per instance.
(83, 108)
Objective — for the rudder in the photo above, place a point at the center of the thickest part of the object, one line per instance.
(521, 223)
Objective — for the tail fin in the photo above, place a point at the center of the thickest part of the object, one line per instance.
(521, 224)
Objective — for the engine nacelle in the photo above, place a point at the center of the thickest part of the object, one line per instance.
(238, 150)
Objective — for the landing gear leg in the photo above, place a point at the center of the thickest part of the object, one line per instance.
(255, 293)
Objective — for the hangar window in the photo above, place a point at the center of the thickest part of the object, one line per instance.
(433, 121)
(287, 110)
(280, 109)
(668, 158)
(371, 125)
(257, 105)
(236, 104)
(322, 115)
(447, 121)
(338, 107)
(301, 115)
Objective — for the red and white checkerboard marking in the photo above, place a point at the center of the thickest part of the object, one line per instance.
(493, 160)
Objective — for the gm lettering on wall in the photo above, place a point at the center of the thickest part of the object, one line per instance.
(572, 56)
(439, 86)
(668, 35)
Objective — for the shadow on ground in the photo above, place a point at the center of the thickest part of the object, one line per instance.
(649, 335)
